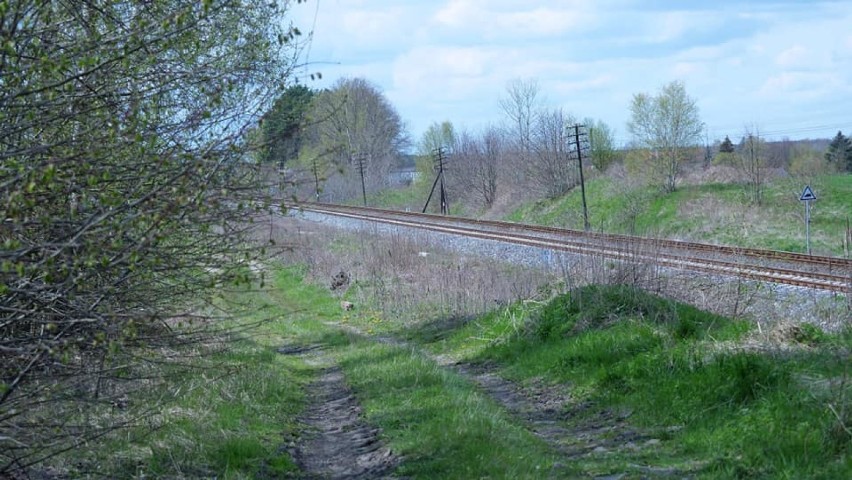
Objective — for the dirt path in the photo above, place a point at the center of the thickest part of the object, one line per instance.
(549, 414)
(337, 443)
(575, 430)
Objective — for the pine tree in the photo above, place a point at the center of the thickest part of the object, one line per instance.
(840, 152)
(282, 125)
(727, 146)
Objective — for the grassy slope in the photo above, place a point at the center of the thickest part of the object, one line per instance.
(741, 413)
(229, 414)
(231, 421)
(413, 197)
(714, 213)
(720, 411)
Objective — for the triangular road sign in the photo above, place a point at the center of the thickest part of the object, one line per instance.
(807, 194)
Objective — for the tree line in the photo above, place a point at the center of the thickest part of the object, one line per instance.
(530, 153)
(315, 139)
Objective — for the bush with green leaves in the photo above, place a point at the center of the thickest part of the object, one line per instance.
(123, 182)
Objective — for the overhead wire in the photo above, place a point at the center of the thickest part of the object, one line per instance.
(311, 38)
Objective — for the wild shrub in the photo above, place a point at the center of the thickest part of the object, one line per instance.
(742, 377)
(599, 306)
(608, 347)
(124, 197)
(809, 334)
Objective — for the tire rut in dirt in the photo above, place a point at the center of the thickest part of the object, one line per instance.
(338, 443)
(574, 430)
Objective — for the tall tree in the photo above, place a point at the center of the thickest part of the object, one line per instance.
(521, 105)
(282, 126)
(752, 162)
(354, 119)
(602, 151)
(839, 153)
(727, 146)
(437, 135)
(667, 124)
(552, 168)
(122, 168)
(475, 163)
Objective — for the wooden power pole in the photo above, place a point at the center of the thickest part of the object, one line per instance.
(361, 164)
(439, 162)
(579, 149)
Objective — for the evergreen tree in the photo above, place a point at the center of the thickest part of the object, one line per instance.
(840, 152)
(282, 125)
(727, 146)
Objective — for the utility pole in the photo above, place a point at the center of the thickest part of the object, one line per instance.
(316, 176)
(576, 135)
(445, 206)
(439, 162)
(361, 164)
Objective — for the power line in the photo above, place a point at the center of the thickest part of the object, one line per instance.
(445, 206)
(311, 39)
(768, 129)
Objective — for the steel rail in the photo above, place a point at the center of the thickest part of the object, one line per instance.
(625, 247)
(842, 264)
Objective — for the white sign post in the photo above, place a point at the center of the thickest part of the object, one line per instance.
(807, 196)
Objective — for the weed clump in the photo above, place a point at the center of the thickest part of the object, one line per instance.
(749, 413)
(739, 378)
(597, 307)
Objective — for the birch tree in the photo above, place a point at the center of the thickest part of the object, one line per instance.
(667, 124)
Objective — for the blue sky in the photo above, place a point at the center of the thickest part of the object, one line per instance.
(784, 67)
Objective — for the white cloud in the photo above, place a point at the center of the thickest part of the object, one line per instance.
(371, 25)
(673, 25)
(688, 69)
(587, 84)
(541, 21)
(791, 86)
(795, 56)
(451, 59)
(514, 19)
(443, 71)
(457, 13)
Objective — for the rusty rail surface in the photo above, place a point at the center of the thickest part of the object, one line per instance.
(789, 268)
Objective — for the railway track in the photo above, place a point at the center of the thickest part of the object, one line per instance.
(788, 268)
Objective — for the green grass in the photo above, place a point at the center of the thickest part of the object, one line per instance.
(745, 414)
(713, 213)
(435, 419)
(728, 412)
(229, 414)
(231, 420)
(723, 411)
(438, 421)
(410, 197)
(226, 420)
